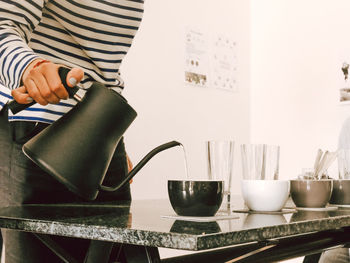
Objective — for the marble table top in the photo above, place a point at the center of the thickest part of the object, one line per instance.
(141, 222)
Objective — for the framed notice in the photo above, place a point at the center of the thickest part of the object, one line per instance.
(224, 63)
(210, 60)
(196, 58)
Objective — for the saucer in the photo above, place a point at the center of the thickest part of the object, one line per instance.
(327, 208)
(339, 205)
(281, 212)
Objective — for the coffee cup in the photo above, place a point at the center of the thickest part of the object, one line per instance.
(311, 193)
(341, 192)
(265, 195)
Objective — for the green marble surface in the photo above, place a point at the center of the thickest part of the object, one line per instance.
(140, 222)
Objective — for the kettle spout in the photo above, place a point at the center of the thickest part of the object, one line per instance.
(142, 163)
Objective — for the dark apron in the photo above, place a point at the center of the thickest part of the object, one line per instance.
(23, 182)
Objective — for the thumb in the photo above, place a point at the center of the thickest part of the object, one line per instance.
(74, 76)
(21, 96)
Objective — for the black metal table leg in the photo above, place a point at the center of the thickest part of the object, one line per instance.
(55, 248)
(140, 254)
(302, 245)
(99, 251)
(314, 258)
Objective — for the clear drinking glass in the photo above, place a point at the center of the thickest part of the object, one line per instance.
(220, 165)
(260, 161)
(344, 163)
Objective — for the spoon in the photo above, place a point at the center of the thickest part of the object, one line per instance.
(317, 160)
(321, 165)
(330, 159)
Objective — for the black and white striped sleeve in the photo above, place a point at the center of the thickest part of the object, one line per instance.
(18, 19)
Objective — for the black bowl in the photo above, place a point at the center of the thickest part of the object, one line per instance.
(195, 198)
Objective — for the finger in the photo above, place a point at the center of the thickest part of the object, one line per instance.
(21, 96)
(34, 92)
(54, 81)
(130, 165)
(43, 87)
(74, 76)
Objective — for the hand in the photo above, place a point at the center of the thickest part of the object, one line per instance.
(43, 84)
(130, 166)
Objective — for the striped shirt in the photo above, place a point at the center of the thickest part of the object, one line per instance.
(94, 35)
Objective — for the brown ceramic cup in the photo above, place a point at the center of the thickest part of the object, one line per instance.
(341, 192)
(311, 193)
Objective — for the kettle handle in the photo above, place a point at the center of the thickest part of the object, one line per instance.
(16, 107)
(140, 165)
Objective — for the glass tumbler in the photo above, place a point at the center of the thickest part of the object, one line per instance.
(260, 161)
(344, 163)
(220, 165)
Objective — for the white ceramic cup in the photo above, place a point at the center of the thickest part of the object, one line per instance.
(265, 195)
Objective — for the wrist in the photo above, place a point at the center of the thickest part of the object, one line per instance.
(37, 64)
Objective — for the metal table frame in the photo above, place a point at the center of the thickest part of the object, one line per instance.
(262, 251)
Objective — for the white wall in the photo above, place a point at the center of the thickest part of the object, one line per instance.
(295, 66)
(289, 55)
(288, 84)
(168, 110)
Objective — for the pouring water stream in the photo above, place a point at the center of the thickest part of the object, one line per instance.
(185, 161)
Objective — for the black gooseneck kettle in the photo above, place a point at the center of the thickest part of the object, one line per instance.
(77, 148)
